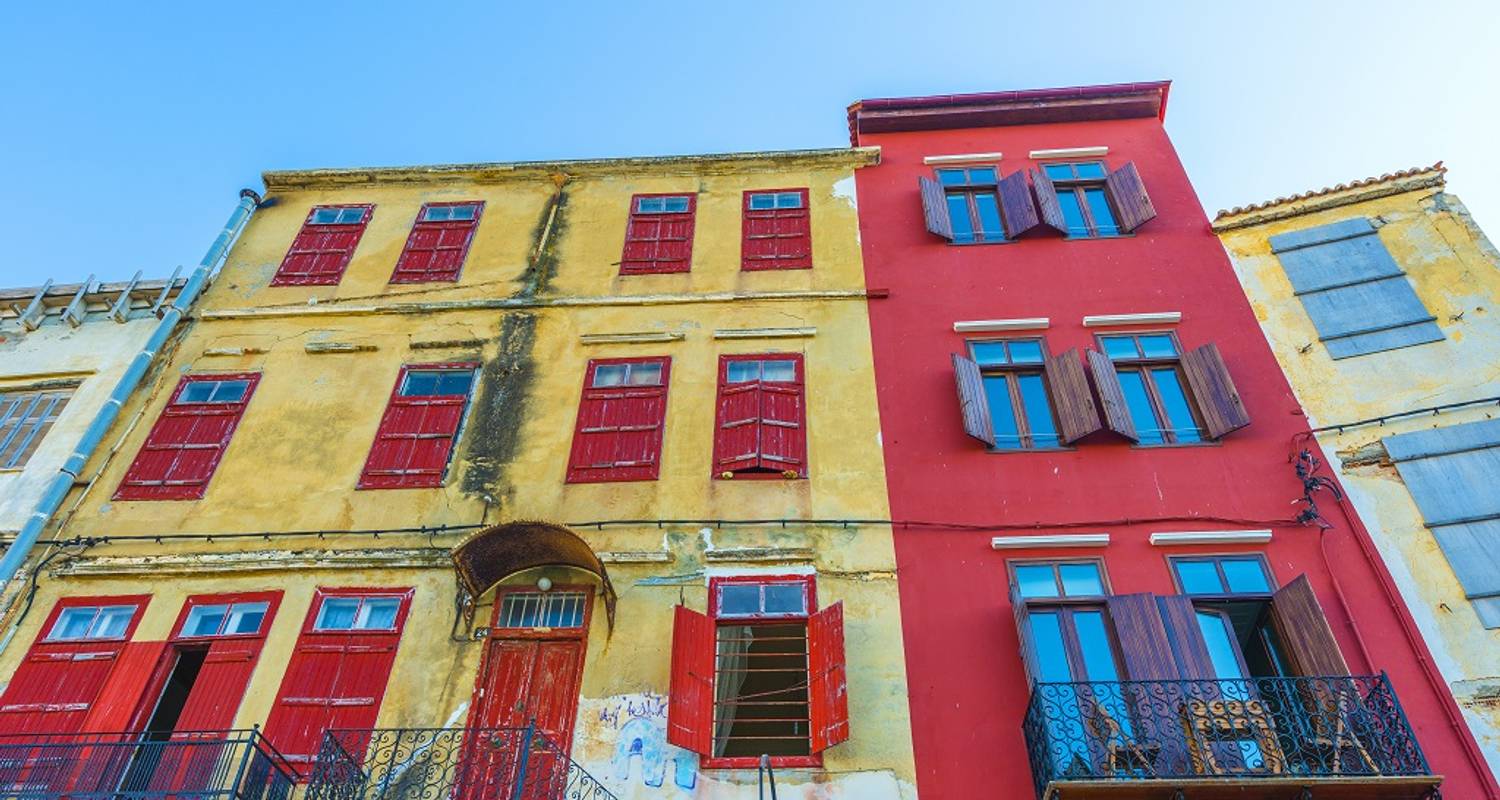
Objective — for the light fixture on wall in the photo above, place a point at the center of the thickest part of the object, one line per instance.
(544, 584)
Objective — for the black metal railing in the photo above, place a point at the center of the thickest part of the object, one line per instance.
(450, 763)
(1232, 729)
(233, 765)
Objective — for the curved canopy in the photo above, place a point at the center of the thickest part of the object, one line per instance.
(499, 551)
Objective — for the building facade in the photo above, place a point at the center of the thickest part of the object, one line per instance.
(1378, 298)
(1116, 564)
(528, 478)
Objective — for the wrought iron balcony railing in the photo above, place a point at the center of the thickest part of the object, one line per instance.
(455, 763)
(1237, 730)
(205, 765)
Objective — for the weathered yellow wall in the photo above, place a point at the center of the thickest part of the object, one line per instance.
(294, 460)
(1456, 273)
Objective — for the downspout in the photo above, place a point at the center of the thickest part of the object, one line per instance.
(57, 490)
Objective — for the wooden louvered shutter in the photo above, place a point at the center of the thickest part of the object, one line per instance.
(416, 434)
(1111, 396)
(1023, 634)
(783, 426)
(690, 698)
(1303, 631)
(55, 685)
(116, 706)
(619, 429)
(1077, 416)
(828, 679)
(1131, 202)
(1223, 410)
(1018, 209)
(184, 447)
(776, 238)
(1144, 647)
(972, 405)
(320, 253)
(737, 426)
(935, 207)
(1188, 648)
(1047, 202)
(435, 250)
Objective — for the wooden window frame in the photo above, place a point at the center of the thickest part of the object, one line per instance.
(1013, 387)
(579, 473)
(626, 267)
(1076, 187)
(403, 594)
(331, 279)
(969, 189)
(1218, 558)
(429, 275)
(272, 599)
(809, 582)
(1234, 639)
(140, 602)
(1065, 611)
(24, 434)
(1144, 365)
(723, 383)
(1010, 574)
(580, 632)
(772, 265)
(472, 367)
(194, 491)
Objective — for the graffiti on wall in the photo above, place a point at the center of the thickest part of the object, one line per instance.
(639, 723)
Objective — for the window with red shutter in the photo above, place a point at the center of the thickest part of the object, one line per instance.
(438, 243)
(324, 246)
(62, 675)
(420, 425)
(339, 668)
(762, 419)
(659, 234)
(620, 421)
(185, 445)
(777, 230)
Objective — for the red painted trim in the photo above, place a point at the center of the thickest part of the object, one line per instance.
(403, 593)
(194, 489)
(140, 601)
(720, 409)
(804, 233)
(272, 599)
(577, 471)
(332, 277)
(430, 275)
(389, 418)
(643, 265)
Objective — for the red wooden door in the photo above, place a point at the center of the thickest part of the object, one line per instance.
(56, 684)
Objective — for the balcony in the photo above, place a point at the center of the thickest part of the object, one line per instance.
(1295, 738)
(233, 765)
(456, 763)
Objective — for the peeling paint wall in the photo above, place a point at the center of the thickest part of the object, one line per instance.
(1455, 271)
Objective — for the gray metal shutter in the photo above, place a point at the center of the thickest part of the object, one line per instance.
(1355, 293)
(1453, 474)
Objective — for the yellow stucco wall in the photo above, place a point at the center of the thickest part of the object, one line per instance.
(522, 311)
(1456, 273)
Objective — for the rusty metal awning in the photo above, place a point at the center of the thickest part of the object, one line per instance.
(499, 551)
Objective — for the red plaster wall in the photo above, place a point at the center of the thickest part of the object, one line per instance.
(968, 689)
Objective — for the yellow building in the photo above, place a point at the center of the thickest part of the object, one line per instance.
(1380, 298)
(459, 447)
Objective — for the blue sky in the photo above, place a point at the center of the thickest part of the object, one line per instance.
(128, 128)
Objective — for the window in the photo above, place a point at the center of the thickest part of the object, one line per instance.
(541, 610)
(1212, 575)
(1082, 196)
(1049, 579)
(224, 619)
(184, 447)
(1015, 390)
(659, 234)
(777, 230)
(762, 673)
(64, 679)
(324, 246)
(421, 422)
(621, 418)
(973, 201)
(438, 242)
(357, 613)
(1151, 377)
(91, 622)
(761, 428)
(25, 417)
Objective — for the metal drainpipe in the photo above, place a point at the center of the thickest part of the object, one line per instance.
(61, 483)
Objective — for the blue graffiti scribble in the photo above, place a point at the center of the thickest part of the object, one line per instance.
(643, 737)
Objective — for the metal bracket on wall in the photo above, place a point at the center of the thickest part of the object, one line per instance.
(120, 311)
(158, 308)
(74, 313)
(31, 318)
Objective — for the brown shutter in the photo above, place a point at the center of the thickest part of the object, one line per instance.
(1111, 396)
(1130, 198)
(1023, 633)
(935, 207)
(1018, 209)
(1223, 411)
(1144, 647)
(1077, 416)
(1046, 200)
(971, 402)
(1188, 648)
(1304, 633)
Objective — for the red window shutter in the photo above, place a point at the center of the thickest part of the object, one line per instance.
(1046, 200)
(1130, 198)
(761, 425)
(658, 242)
(1304, 632)
(690, 701)
(1111, 396)
(115, 707)
(435, 250)
(1019, 210)
(221, 683)
(416, 434)
(972, 405)
(935, 207)
(828, 679)
(776, 238)
(320, 252)
(737, 438)
(1223, 410)
(618, 434)
(184, 447)
(55, 687)
(783, 429)
(1077, 416)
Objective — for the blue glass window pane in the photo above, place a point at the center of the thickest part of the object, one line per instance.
(1002, 413)
(204, 620)
(778, 371)
(455, 382)
(1026, 352)
(439, 214)
(648, 205)
(1051, 655)
(785, 598)
(675, 205)
(351, 216)
(1147, 429)
(1198, 577)
(420, 384)
(982, 175)
(739, 599)
(614, 374)
(762, 202)
(1090, 170)
(1119, 346)
(461, 212)
(379, 613)
(951, 177)
(645, 374)
(112, 622)
(1035, 580)
(1221, 649)
(1081, 580)
(337, 614)
(230, 391)
(989, 216)
(1104, 217)
(1174, 400)
(1072, 213)
(245, 618)
(789, 200)
(325, 216)
(1038, 411)
(1058, 172)
(741, 371)
(988, 353)
(73, 623)
(1093, 643)
(958, 214)
(1158, 346)
(196, 392)
(1245, 575)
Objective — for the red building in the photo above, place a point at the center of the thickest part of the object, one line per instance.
(1109, 565)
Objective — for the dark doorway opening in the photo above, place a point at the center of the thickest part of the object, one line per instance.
(163, 721)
